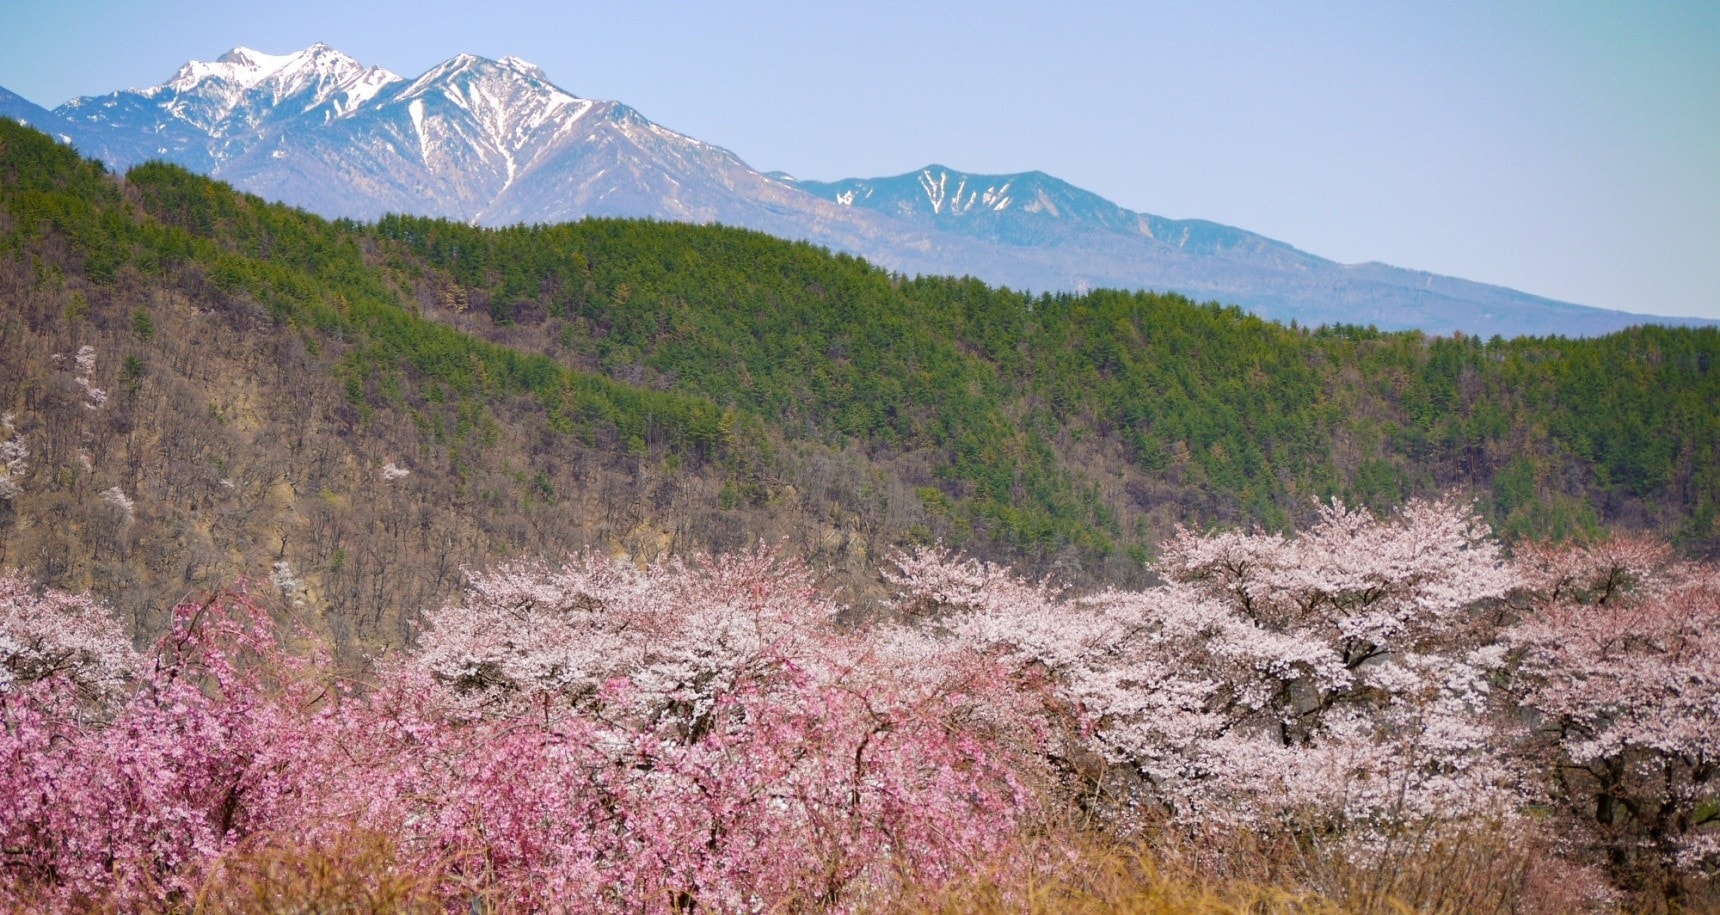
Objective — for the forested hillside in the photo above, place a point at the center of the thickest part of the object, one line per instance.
(199, 385)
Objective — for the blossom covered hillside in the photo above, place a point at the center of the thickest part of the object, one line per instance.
(704, 735)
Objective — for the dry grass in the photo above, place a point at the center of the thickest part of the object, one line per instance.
(1088, 877)
(1063, 872)
(1473, 871)
(1487, 870)
(357, 874)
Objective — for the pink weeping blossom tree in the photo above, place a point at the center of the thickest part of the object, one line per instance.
(591, 737)
(1619, 663)
(209, 740)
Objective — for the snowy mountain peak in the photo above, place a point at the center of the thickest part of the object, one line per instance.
(209, 93)
(943, 194)
(497, 105)
(524, 68)
(319, 69)
(464, 69)
(248, 58)
(445, 71)
(240, 68)
(362, 88)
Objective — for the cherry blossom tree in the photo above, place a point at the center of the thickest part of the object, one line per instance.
(48, 634)
(1344, 671)
(94, 397)
(1367, 641)
(1620, 664)
(706, 734)
(14, 458)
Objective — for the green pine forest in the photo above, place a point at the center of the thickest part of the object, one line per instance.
(651, 388)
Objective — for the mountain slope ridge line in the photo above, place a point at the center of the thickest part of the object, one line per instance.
(497, 143)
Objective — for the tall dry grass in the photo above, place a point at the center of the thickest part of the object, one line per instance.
(1066, 871)
(1482, 871)
(358, 873)
(1097, 879)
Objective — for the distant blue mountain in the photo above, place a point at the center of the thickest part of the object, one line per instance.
(1028, 209)
(496, 143)
(1044, 233)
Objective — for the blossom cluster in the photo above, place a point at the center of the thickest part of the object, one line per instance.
(14, 458)
(126, 505)
(94, 398)
(587, 736)
(705, 734)
(1335, 674)
(47, 634)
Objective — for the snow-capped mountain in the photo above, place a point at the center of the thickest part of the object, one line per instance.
(473, 139)
(209, 113)
(1033, 209)
(496, 142)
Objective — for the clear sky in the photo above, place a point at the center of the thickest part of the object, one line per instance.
(1569, 149)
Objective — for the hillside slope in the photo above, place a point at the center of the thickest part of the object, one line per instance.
(199, 385)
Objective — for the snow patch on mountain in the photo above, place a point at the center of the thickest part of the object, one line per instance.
(362, 88)
(416, 110)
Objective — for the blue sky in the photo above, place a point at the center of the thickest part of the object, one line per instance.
(1568, 149)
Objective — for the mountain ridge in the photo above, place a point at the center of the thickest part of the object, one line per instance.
(495, 142)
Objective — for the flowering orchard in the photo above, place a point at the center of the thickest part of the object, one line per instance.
(591, 735)
(703, 735)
